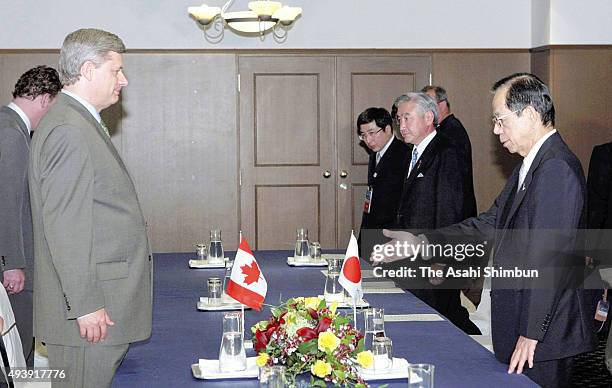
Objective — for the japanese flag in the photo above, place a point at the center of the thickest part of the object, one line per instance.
(247, 284)
(350, 276)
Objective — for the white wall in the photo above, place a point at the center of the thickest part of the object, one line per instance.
(581, 22)
(540, 23)
(159, 24)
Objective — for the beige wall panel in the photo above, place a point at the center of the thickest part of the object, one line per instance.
(13, 65)
(177, 135)
(358, 195)
(375, 89)
(581, 79)
(540, 64)
(278, 137)
(468, 77)
(278, 214)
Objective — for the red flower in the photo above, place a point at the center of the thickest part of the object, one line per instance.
(313, 313)
(261, 340)
(307, 333)
(323, 324)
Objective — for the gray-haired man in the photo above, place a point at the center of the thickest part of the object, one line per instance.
(93, 264)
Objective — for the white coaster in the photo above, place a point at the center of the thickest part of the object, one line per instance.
(413, 318)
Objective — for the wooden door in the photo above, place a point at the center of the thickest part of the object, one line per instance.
(287, 143)
(364, 82)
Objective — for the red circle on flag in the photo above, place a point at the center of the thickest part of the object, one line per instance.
(352, 269)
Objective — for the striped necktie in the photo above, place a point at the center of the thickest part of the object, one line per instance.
(105, 128)
(415, 156)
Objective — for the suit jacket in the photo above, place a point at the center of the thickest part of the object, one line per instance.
(600, 202)
(386, 180)
(90, 237)
(16, 227)
(454, 131)
(536, 227)
(435, 194)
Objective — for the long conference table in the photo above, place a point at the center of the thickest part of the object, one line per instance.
(182, 334)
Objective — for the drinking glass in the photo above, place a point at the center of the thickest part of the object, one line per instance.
(420, 375)
(215, 249)
(333, 290)
(301, 253)
(228, 273)
(315, 251)
(374, 326)
(382, 349)
(201, 251)
(214, 291)
(232, 356)
(272, 377)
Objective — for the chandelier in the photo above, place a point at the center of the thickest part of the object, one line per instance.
(264, 16)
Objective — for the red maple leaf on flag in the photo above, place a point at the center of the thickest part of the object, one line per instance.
(252, 272)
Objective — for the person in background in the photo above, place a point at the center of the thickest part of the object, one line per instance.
(34, 93)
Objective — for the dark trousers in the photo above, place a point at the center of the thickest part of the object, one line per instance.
(551, 374)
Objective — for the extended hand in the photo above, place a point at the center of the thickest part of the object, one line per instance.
(93, 326)
(389, 251)
(13, 280)
(524, 351)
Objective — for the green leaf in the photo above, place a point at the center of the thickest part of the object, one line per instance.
(360, 346)
(339, 374)
(308, 347)
(317, 383)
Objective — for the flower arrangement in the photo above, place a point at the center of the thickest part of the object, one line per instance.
(307, 336)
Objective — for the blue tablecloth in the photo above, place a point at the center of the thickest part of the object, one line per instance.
(182, 334)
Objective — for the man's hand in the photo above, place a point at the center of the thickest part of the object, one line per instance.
(13, 280)
(524, 351)
(398, 237)
(93, 326)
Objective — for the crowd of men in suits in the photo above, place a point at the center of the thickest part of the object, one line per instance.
(537, 325)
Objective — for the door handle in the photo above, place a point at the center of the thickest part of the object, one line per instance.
(343, 174)
(326, 174)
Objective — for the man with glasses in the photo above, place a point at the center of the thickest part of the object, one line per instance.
(538, 324)
(386, 171)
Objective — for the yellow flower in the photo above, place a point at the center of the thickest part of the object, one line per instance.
(328, 341)
(312, 302)
(299, 299)
(333, 307)
(365, 359)
(262, 359)
(320, 369)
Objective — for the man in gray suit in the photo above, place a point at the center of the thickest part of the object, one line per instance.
(33, 96)
(93, 269)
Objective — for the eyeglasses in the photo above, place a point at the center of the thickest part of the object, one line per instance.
(365, 135)
(500, 120)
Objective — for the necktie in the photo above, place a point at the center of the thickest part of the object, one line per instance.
(522, 174)
(105, 128)
(415, 156)
(378, 157)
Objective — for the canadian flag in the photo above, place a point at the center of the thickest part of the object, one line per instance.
(350, 276)
(247, 284)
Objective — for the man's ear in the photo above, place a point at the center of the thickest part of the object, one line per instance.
(87, 70)
(429, 117)
(531, 113)
(45, 100)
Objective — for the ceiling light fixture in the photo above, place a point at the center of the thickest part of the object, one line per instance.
(264, 16)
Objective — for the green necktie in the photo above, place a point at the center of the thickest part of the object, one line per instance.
(105, 128)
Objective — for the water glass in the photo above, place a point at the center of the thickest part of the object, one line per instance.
(315, 251)
(420, 375)
(382, 349)
(228, 273)
(374, 326)
(232, 356)
(302, 249)
(333, 290)
(215, 249)
(201, 251)
(214, 291)
(272, 376)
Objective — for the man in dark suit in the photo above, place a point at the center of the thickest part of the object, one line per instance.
(33, 96)
(434, 194)
(600, 218)
(93, 269)
(534, 224)
(453, 129)
(387, 169)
